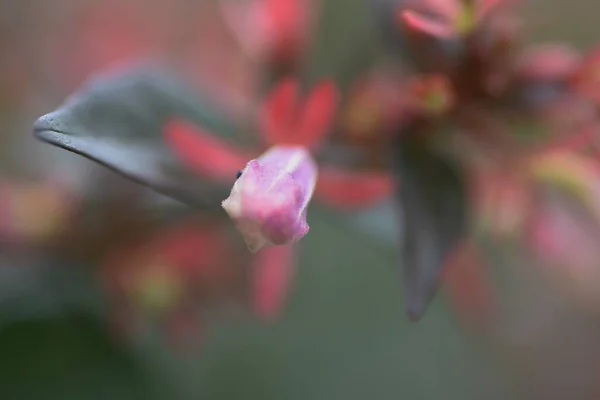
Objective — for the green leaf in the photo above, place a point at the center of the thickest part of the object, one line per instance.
(116, 120)
(432, 195)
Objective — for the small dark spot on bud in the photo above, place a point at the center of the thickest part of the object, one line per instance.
(239, 173)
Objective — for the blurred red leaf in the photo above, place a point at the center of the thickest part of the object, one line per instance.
(351, 189)
(586, 79)
(318, 113)
(421, 24)
(468, 288)
(284, 120)
(274, 269)
(278, 112)
(204, 152)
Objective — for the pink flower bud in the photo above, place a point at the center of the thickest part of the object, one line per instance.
(268, 202)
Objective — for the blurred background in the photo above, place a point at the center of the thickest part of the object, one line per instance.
(111, 291)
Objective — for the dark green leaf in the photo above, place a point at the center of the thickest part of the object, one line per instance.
(117, 118)
(67, 358)
(432, 196)
(37, 287)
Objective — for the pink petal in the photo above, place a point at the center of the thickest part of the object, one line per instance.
(421, 24)
(278, 112)
(274, 269)
(349, 189)
(204, 152)
(268, 202)
(318, 114)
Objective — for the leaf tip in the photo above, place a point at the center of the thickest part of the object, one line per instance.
(415, 309)
(414, 315)
(42, 125)
(48, 129)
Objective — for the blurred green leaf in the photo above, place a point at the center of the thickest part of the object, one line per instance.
(433, 200)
